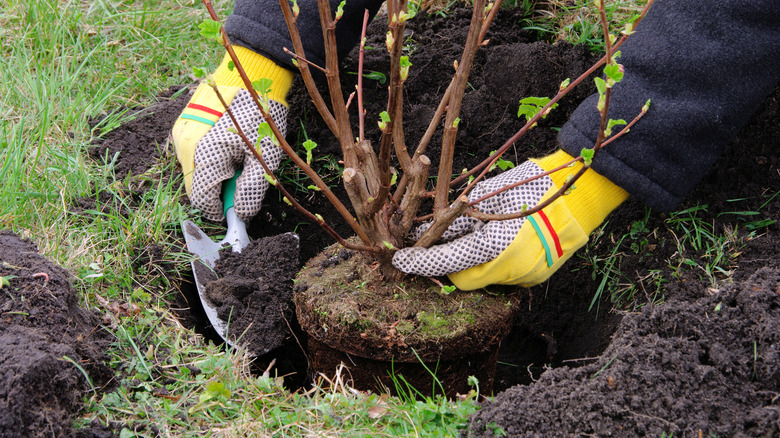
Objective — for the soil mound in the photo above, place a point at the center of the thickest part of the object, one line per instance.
(711, 366)
(44, 334)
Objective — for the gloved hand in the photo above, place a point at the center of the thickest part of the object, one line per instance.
(209, 153)
(523, 251)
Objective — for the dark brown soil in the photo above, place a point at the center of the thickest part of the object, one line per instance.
(675, 365)
(139, 143)
(701, 363)
(43, 335)
(254, 292)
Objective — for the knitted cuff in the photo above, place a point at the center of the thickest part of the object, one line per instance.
(256, 67)
(592, 197)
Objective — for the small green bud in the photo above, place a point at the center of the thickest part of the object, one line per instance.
(587, 155)
(340, 10)
(286, 201)
(271, 180)
(295, 8)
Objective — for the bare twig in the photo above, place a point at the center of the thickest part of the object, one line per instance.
(361, 111)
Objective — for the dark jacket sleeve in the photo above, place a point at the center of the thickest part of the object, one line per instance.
(259, 25)
(707, 66)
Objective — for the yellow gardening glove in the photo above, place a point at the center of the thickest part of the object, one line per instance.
(523, 251)
(209, 153)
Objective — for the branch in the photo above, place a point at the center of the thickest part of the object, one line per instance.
(441, 199)
(561, 167)
(343, 130)
(361, 111)
(301, 58)
(290, 18)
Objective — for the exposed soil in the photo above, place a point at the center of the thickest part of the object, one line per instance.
(254, 292)
(44, 335)
(693, 355)
(703, 361)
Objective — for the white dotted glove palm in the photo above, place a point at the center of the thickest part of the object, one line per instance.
(471, 241)
(522, 251)
(208, 147)
(220, 152)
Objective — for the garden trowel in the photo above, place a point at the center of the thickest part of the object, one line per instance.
(207, 252)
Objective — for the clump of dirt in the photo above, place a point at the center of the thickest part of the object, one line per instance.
(253, 292)
(707, 366)
(44, 337)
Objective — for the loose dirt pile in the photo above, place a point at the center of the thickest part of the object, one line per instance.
(253, 292)
(44, 338)
(701, 363)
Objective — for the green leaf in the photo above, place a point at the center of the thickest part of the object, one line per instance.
(384, 116)
(210, 29)
(611, 124)
(601, 85)
(198, 72)
(309, 145)
(446, 290)
(5, 280)
(614, 73)
(587, 155)
(377, 76)
(264, 130)
(530, 107)
(231, 65)
(501, 163)
(263, 86)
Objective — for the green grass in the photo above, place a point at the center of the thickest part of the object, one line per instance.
(576, 21)
(692, 246)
